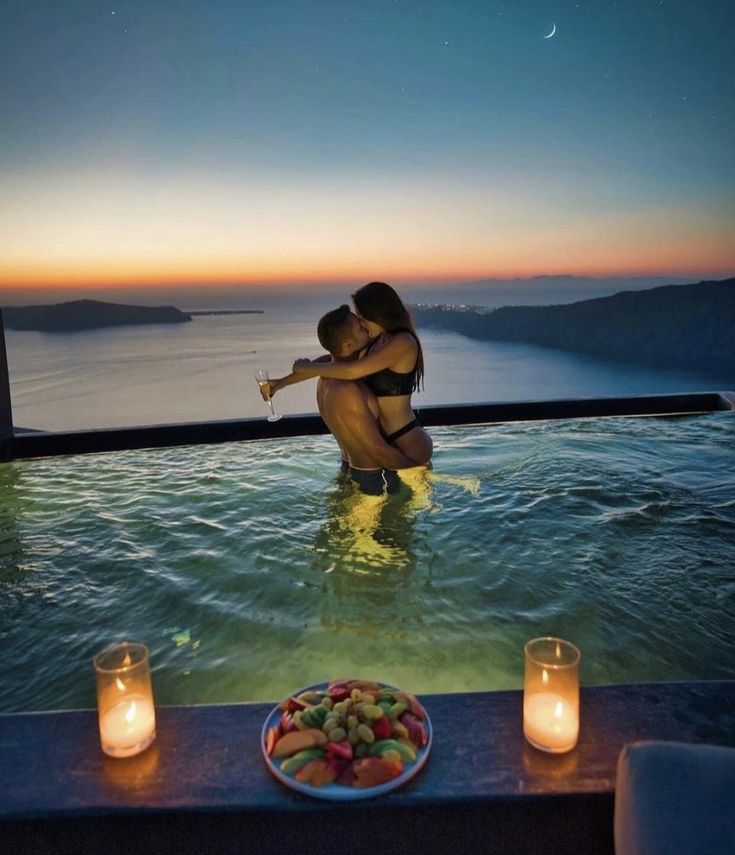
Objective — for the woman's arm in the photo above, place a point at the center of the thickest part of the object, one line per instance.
(398, 346)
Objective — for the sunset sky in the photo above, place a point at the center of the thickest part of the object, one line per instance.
(227, 141)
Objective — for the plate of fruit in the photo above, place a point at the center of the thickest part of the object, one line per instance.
(347, 739)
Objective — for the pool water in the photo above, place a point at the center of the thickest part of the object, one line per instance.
(251, 569)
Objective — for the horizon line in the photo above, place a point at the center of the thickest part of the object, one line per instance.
(437, 280)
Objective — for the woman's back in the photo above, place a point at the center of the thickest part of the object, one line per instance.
(393, 386)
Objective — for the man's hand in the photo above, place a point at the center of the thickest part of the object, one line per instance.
(269, 389)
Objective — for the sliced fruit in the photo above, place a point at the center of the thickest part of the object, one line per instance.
(371, 771)
(291, 705)
(415, 706)
(340, 749)
(337, 765)
(399, 730)
(310, 697)
(369, 686)
(382, 728)
(271, 738)
(417, 732)
(405, 749)
(287, 722)
(298, 740)
(317, 773)
(293, 764)
(347, 778)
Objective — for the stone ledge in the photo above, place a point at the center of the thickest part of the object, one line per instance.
(33, 443)
(203, 787)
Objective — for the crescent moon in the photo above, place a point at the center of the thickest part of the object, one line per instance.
(553, 30)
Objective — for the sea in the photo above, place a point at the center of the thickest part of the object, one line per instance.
(204, 370)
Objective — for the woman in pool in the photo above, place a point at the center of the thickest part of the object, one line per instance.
(392, 367)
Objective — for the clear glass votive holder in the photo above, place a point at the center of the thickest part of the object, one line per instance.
(551, 694)
(127, 716)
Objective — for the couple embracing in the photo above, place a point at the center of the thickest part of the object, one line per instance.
(364, 391)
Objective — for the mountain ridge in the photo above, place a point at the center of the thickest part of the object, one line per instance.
(79, 315)
(682, 326)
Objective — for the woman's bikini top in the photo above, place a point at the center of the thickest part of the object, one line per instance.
(387, 382)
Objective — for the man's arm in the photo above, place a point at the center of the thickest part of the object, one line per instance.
(275, 384)
(363, 427)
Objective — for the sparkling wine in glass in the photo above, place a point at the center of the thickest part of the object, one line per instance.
(261, 375)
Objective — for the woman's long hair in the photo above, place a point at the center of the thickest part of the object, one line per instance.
(379, 302)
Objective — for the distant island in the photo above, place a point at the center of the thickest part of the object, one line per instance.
(677, 326)
(80, 315)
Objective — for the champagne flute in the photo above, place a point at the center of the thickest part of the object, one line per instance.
(261, 375)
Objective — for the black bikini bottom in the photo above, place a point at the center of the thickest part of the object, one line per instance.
(391, 438)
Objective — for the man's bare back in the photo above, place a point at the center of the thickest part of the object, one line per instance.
(350, 411)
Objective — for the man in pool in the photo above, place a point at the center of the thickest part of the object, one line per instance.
(350, 409)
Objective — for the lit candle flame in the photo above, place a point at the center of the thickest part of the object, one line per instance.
(127, 660)
(544, 676)
(558, 709)
(119, 683)
(130, 714)
(558, 650)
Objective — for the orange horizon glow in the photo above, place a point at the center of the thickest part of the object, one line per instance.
(37, 279)
(607, 250)
(94, 228)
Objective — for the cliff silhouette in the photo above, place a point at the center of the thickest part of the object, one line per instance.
(678, 326)
(86, 315)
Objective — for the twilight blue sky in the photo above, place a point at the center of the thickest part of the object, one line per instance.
(285, 141)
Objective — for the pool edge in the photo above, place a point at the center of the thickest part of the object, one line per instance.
(38, 443)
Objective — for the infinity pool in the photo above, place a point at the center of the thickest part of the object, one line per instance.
(250, 569)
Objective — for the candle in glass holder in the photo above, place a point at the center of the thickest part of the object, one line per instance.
(551, 694)
(127, 716)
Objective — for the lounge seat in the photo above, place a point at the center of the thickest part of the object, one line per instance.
(674, 798)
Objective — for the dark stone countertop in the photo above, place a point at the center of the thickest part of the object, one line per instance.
(208, 757)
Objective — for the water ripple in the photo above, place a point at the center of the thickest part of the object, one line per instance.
(250, 569)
